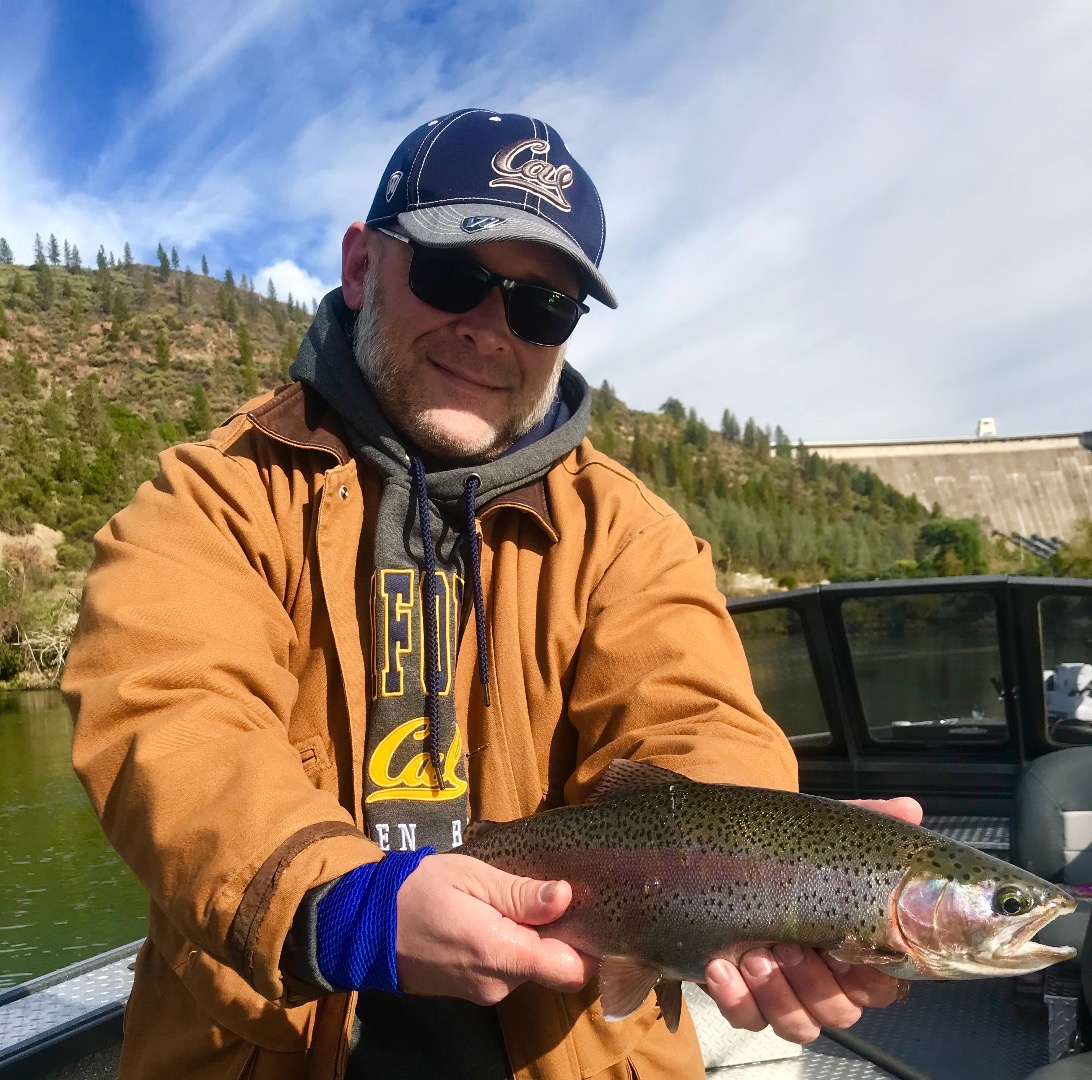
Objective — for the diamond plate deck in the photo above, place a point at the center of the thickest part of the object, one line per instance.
(32, 1010)
(985, 833)
(961, 1031)
(821, 1060)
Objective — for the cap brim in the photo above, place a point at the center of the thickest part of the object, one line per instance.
(442, 226)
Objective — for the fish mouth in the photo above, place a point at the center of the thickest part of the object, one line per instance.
(1016, 946)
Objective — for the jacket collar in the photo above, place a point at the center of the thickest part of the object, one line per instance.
(297, 416)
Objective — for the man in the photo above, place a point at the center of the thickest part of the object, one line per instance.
(403, 593)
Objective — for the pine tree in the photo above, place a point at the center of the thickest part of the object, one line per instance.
(674, 409)
(199, 417)
(7, 257)
(226, 301)
(127, 256)
(46, 289)
(120, 307)
(162, 349)
(67, 255)
(175, 264)
(189, 283)
(54, 251)
(229, 279)
(290, 304)
(39, 251)
(23, 375)
(750, 434)
(204, 266)
(105, 287)
(244, 284)
(271, 292)
(112, 261)
(289, 349)
(164, 262)
(119, 312)
(696, 432)
(74, 263)
(729, 426)
(100, 259)
(246, 348)
(249, 375)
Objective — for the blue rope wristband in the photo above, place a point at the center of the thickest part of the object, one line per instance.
(357, 923)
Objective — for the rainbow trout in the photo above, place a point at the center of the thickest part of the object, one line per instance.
(668, 874)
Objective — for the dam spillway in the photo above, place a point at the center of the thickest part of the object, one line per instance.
(1015, 484)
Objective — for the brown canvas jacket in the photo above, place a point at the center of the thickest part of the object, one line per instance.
(219, 685)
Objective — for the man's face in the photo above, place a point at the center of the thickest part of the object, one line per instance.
(462, 387)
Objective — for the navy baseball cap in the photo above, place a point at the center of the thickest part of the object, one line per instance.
(475, 176)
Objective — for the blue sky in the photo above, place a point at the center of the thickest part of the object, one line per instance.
(855, 220)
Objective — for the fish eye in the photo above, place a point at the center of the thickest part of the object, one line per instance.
(1011, 900)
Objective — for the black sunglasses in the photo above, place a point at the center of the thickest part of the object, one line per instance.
(453, 283)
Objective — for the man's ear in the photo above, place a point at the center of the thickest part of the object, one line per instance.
(354, 263)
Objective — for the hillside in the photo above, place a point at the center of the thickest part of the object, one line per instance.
(101, 369)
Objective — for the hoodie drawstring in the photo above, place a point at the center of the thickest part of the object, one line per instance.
(428, 597)
(473, 482)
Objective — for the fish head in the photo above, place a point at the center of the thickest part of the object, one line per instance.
(965, 915)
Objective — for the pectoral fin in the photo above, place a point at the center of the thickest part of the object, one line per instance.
(624, 984)
(669, 998)
(856, 951)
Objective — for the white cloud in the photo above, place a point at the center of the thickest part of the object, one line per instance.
(287, 277)
(851, 220)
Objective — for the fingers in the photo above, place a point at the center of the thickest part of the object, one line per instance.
(725, 985)
(815, 988)
(463, 932)
(790, 988)
(557, 966)
(904, 808)
(867, 986)
(523, 900)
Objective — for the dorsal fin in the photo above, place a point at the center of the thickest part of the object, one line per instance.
(479, 830)
(624, 777)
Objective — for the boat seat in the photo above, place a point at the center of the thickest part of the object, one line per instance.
(1051, 832)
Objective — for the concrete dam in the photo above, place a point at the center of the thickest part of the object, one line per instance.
(1015, 484)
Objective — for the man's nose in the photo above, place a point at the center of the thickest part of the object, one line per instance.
(486, 325)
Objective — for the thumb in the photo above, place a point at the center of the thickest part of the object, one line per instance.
(524, 900)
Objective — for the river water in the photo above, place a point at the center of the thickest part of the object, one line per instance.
(64, 893)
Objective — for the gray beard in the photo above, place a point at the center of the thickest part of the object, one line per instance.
(376, 358)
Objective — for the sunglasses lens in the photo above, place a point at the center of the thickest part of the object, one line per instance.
(456, 284)
(542, 316)
(447, 282)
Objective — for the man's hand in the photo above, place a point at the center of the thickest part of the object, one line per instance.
(465, 930)
(793, 989)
